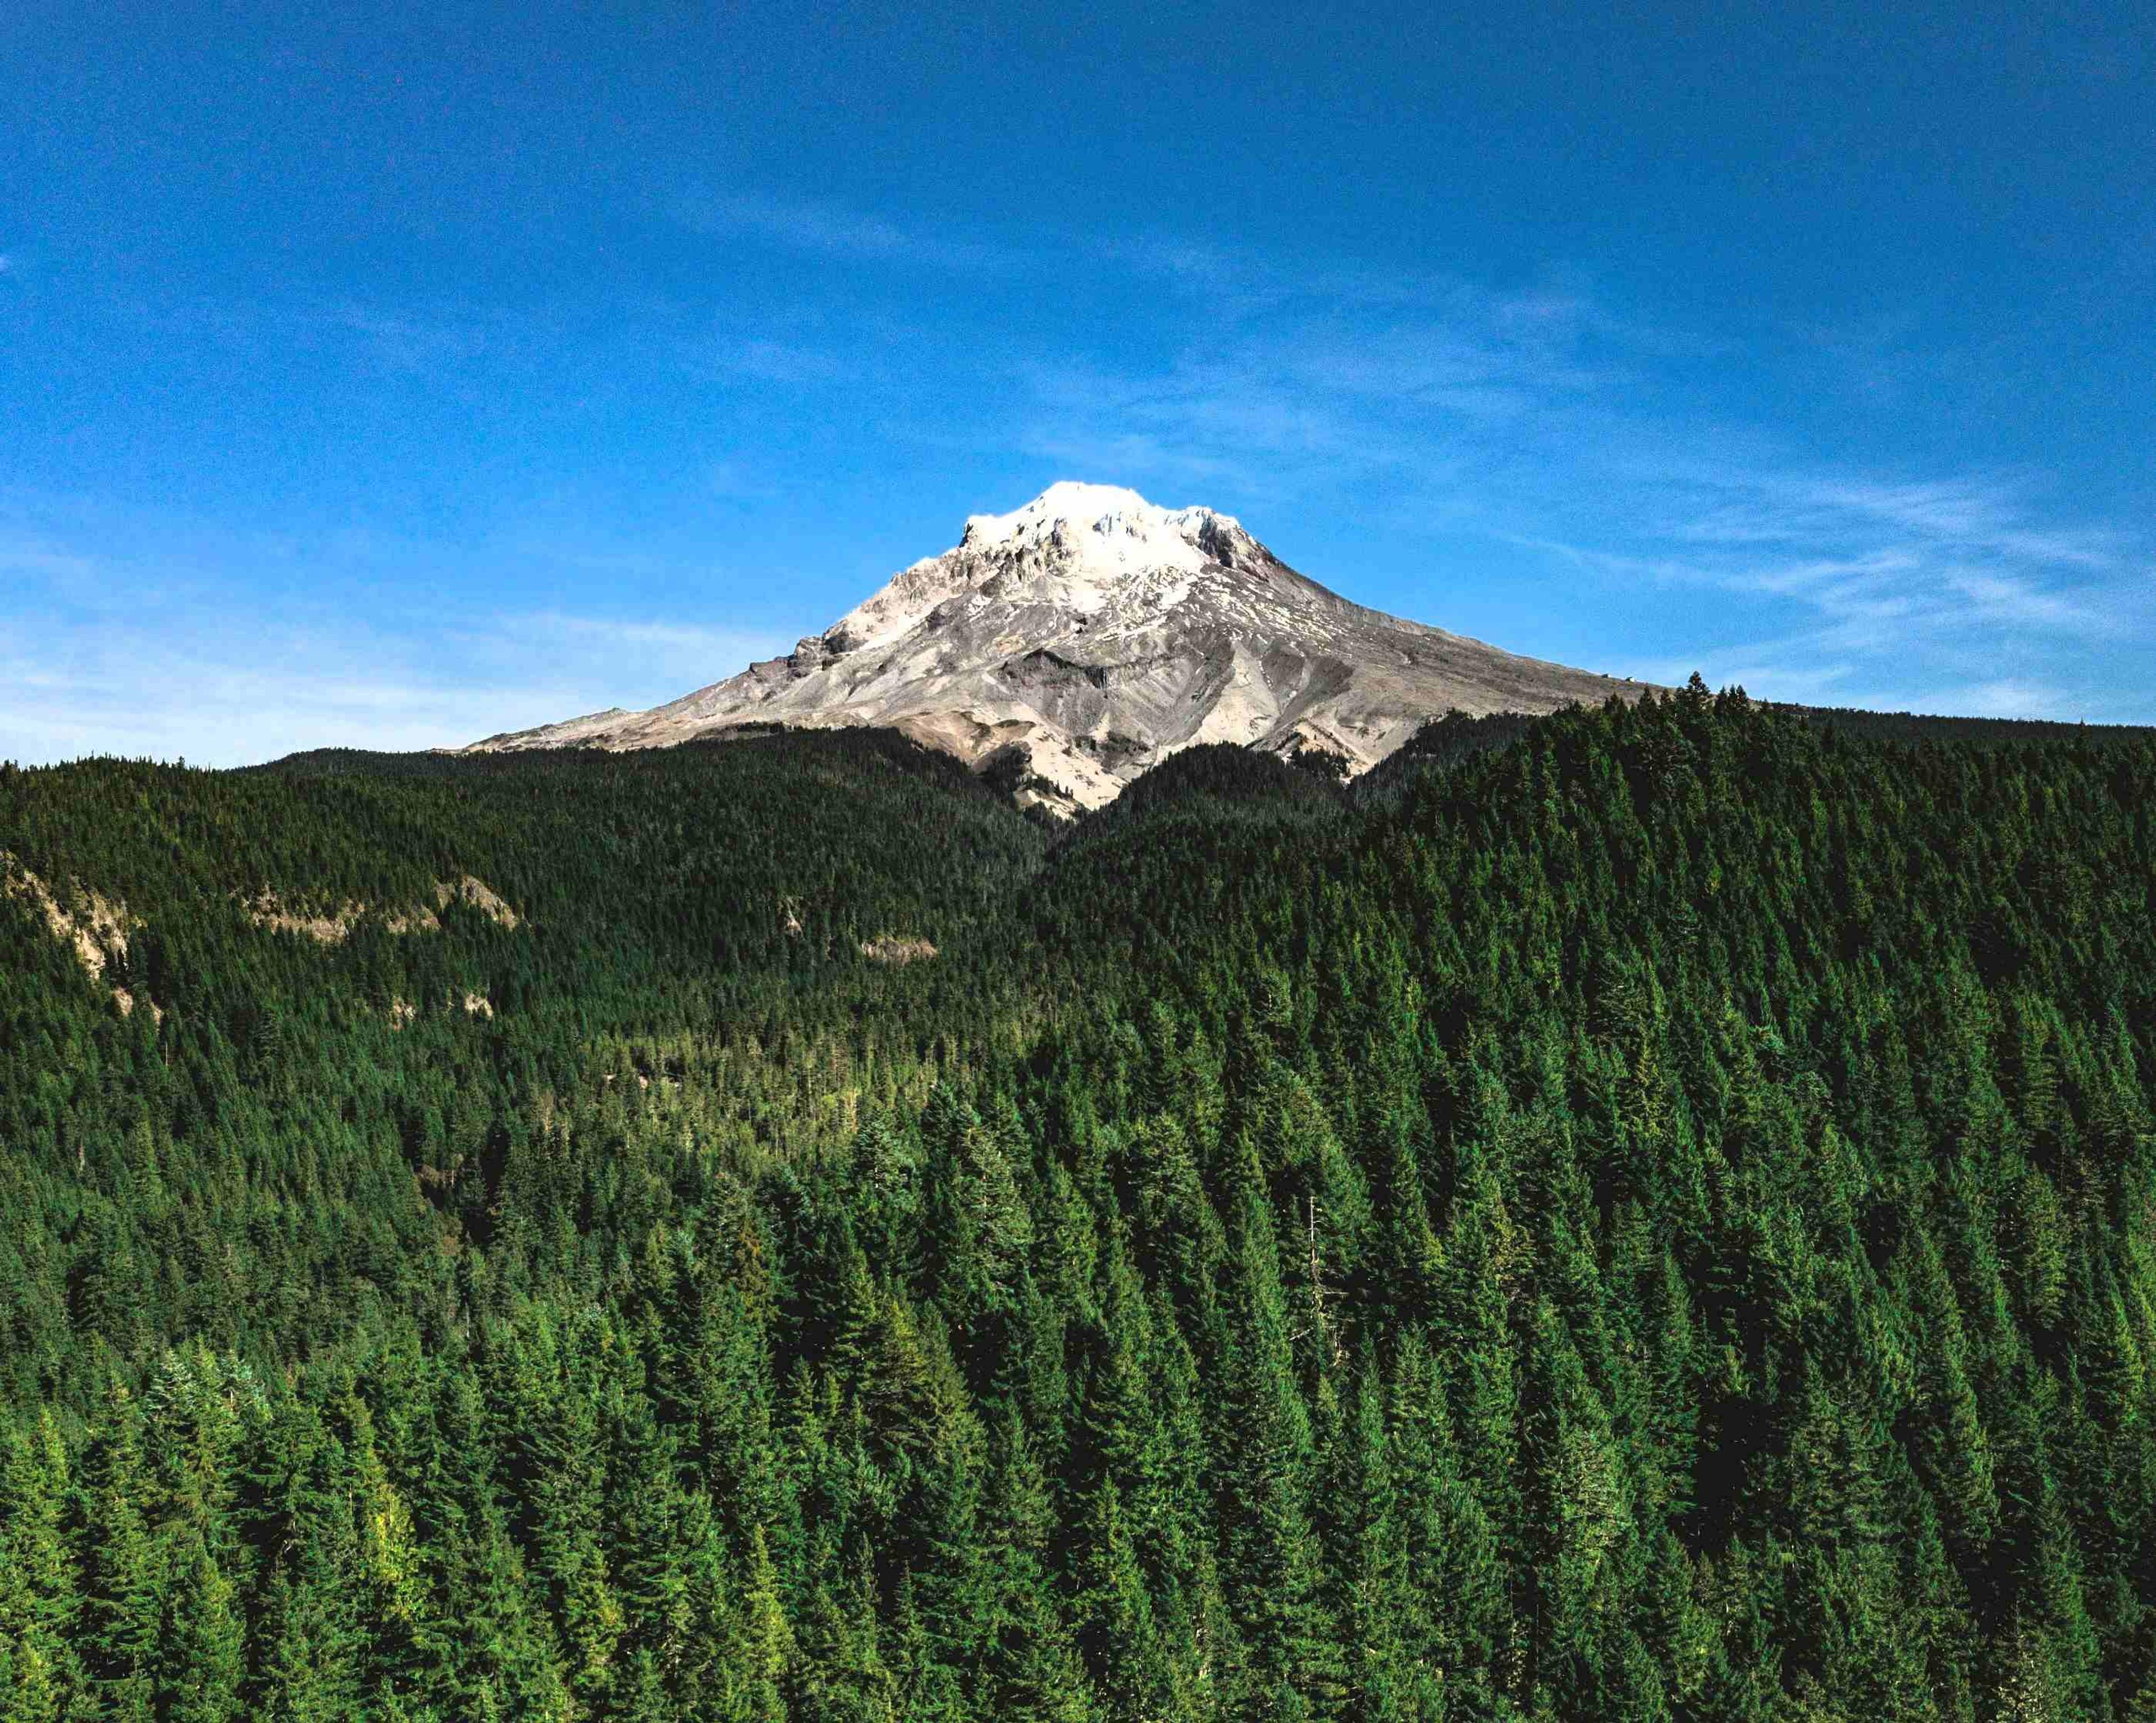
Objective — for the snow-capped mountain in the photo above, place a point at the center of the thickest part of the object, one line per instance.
(1098, 633)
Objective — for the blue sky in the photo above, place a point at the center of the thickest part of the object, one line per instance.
(392, 376)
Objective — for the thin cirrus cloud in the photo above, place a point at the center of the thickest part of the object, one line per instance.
(102, 656)
(665, 651)
(240, 689)
(1968, 512)
(1893, 620)
(420, 340)
(834, 230)
(142, 698)
(1937, 579)
(2010, 599)
(786, 362)
(217, 698)
(1541, 423)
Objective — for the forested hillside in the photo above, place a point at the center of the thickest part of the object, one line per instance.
(1649, 1213)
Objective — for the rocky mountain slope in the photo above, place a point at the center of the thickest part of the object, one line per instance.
(1090, 633)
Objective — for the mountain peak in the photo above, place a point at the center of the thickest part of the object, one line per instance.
(1090, 633)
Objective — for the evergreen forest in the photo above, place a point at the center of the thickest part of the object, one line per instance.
(1642, 1215)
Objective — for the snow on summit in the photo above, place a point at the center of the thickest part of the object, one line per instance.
(1103, 527)
(1075, 546)
(1090, 634)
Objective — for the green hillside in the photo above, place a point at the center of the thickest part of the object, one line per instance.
(1646, 1214)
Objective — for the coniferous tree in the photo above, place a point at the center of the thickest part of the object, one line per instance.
(1644, 1213)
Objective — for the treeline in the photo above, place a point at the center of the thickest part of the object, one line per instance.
(1648, 1214)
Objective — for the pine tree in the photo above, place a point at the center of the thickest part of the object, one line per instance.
(1029, 1665)
(1453, 1614)
(1274, 1568)
(204, 1660)
(38, 1601)
(765, 1638)
(1112, 1612)
(121, 1585)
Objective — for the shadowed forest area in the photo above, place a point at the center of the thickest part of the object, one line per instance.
(1644, 1213)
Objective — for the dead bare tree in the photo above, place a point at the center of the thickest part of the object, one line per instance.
(1322, 1293)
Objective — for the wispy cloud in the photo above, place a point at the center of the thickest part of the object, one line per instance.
(1310, 384)
(1140, 455)
(2016, 600)
(126, 654)
(834, 230)
(638, 653)
(258, 692)
(808, 226)
(414, 344)
(1968, 512)
(253, 691)
(2009, 698)
(1895, 626)
(24, 556)
(786, 362)
(1523, 419)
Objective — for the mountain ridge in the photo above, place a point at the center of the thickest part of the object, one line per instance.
(1090, 634)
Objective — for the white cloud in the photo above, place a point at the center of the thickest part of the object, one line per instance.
(2014, 598)
(30, 558)
(786, 362)
(1973, 513)
(249, 692)
(811, 226)
(2007, 697)
(835, 230)
(125, 655)
(637, 653)
(135, 695)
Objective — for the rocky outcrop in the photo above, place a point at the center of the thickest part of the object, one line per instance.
(94, 928)
(1088, 635)
(896, 948)
(332, 926)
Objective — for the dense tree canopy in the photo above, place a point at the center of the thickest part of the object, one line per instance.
(1645, 1214)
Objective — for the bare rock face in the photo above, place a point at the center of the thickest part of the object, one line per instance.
(1088, 635)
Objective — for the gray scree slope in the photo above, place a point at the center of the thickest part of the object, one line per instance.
(1098, 633)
